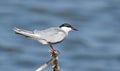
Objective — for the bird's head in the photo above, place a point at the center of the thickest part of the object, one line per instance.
(67, 27)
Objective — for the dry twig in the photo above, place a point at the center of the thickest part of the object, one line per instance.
(53, 60)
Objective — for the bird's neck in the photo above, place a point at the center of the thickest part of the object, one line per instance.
(65, 29)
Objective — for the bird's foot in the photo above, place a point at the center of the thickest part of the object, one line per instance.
(54, 50)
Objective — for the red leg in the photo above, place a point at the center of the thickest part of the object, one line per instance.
(52, 48)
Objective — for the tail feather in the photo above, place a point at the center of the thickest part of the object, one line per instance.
(23, 32)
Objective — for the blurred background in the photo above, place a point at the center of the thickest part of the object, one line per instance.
(95, 47)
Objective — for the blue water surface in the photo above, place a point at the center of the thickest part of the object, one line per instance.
(95, 47)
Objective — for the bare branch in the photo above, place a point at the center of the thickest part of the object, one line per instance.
(45, 65)
(55, 62)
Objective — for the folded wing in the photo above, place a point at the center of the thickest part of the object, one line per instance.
(51, 35)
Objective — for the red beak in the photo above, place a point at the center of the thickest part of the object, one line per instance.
(74, 29)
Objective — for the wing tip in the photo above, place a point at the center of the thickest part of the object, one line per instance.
(17, 30)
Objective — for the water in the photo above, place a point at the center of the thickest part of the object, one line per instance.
(95, 47)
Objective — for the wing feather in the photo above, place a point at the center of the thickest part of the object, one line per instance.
(51, 35)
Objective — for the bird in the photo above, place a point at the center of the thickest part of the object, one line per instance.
(48, 36)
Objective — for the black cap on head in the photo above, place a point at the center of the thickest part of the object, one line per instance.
(68, 25)
(65, 25)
